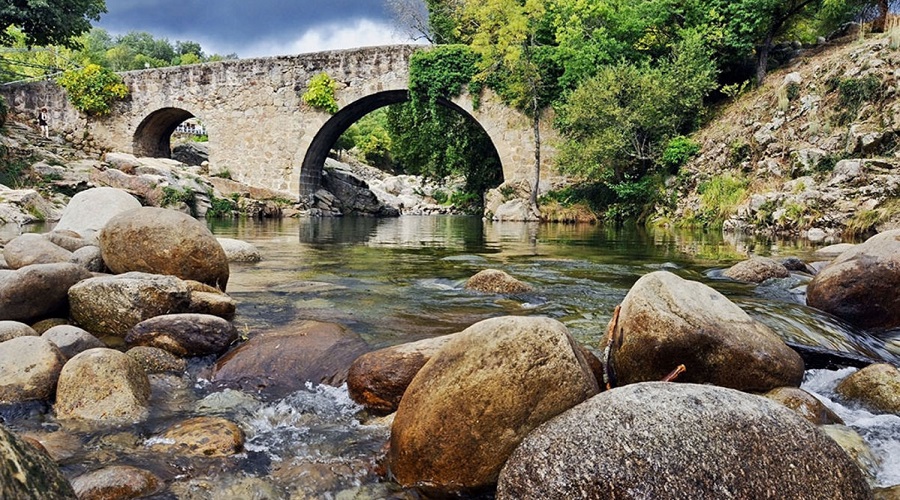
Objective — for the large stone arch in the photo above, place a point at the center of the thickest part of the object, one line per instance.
(152, 138)
(328, 134)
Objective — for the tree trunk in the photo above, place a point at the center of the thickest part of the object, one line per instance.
(880, 21)
(537, 152)
(762, 61)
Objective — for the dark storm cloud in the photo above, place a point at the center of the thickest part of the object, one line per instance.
(241, 25)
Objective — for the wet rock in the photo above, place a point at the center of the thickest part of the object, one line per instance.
(239, 251)
(795, 264)
(156, 360)
(37, 291)
(90, 210)
(201, 436)
(856, 447)
(756, 270)
(805, 404)
(860, 286)
(103, 385)
(32, 248)
(875, 386)
(112, 305)
(496, 281)
(26, 473)
(662, 440)
(479, 396)
(160, 241)
(71, 340)
(228, 401)
(29, 369)
(889, 493)
(13, 329)
(220, 488)
(282, 361)
(116, 482)
(185, 335)
(60, 445)
(378, 379)
(666, 321)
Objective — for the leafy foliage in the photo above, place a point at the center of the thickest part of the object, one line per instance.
(4, 111)
(93, 89)
(320, 93)
(49, 22)
(678, 151)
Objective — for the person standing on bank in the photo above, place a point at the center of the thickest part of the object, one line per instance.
(43, 121)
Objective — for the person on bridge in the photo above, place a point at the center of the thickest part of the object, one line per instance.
(43, 121)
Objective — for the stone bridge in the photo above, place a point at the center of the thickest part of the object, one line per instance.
(260, 130)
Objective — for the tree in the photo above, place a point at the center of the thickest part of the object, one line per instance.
(49, 22)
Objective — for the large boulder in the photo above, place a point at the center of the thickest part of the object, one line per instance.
(184, 335)
(875, 386)
(479, 396)
(28, 474)
(112, 305)
(90, 210)
(756, 270)
(282, 361)
(378, 379)
(860, 286)
(103, 385)
(665, 441)
(666, 321)
(37, 291)
(32, 248)
(29, 369)
(160, 241)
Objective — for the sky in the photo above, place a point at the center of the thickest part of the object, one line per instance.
(256, 28)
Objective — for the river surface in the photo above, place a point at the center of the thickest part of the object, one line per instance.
(400, 280)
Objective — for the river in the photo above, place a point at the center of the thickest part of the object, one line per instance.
(399, 280)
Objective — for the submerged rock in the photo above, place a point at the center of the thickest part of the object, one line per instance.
(666, 321)
(666, 441)
(756, 270)
(860, 286)
(201, 436)
(479, 396)
(496, 281)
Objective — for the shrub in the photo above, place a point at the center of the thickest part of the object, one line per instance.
(854, 92)
(93, 89)
(320, 93)
(678, 151)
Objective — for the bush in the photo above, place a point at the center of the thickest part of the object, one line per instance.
(320, 93)
(854, 92)
(678, 151)
(93, 89)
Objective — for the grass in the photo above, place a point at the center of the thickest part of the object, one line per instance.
(721, 195)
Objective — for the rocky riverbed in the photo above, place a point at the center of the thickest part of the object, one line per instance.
(112, 318)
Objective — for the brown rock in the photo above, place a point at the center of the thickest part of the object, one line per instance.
(116, 482)
(378, 379)
(479, 396)
(856, 447)
(185, 335)
(805, 404)
(160, 241)
(756, 270)
(202, 436)
(217, 304)
(496, 281)
(45, 324)
(156, 360)
(282, 361)
(38, 291)
(876, 386)
(103, 385)
(860, 286)
(666, 321)
(112, 305)
(29, 369)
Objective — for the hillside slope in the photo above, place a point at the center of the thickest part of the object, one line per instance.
(813, 152)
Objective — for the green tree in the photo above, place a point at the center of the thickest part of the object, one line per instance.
(93, 89)
(49, 22)
(143, 43)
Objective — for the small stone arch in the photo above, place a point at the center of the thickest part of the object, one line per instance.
(314, 161)
(152, 138)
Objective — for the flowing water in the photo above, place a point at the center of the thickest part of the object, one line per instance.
(399, 280)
